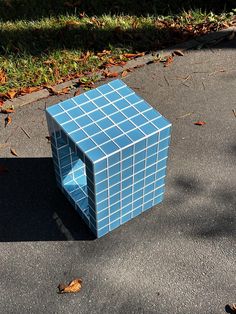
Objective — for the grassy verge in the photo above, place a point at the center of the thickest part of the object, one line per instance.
(54, 49)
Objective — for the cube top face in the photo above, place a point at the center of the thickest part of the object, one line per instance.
(107, 120)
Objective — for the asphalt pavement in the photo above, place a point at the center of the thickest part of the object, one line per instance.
(179, 257)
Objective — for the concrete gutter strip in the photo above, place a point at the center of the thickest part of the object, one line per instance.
(211, 38)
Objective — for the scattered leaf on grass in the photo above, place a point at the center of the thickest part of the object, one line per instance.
(168, 61)
(8, 120)
(73, 287)
(11, 94)
(200, 122)
(124, 73)
(13, 152)
(178, 53)
(6, 111)
(3, 77)
(3, 169)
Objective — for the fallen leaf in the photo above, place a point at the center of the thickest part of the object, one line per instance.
(3, 77)
(3, 169)
(72, 23)
(29, 90)
(73, 287)
(6, 111)
(110, 74)
(11, 94)
(77, 92)
(13, 152)
(168, 61)
(199, 122)
(8, 120)
(1, 103)
(124, 73)
(48, 138)
(133, 55)
(178, 53)
(53, 91)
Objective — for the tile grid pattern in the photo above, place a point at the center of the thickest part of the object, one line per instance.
(110, 151)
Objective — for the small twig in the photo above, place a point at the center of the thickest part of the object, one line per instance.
(167, 82)
(185, 84)
(184, 115)
(26, 133)
(204, 87)
(234, 112)
(215, 72)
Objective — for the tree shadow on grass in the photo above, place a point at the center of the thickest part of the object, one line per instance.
(33, 9)
(32, 208)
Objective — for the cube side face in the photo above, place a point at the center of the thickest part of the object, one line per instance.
(72, 171)
(131, 181)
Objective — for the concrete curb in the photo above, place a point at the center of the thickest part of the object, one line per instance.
(211, 38)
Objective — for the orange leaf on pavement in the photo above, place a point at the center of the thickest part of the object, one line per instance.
(168, 61)
(13, 152)
(199, 122)
(124, 73)
(73, 287)
(110, 74)
(133, 55)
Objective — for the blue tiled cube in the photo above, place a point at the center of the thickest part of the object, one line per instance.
(110, 149)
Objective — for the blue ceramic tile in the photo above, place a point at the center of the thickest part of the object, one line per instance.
(110, 149)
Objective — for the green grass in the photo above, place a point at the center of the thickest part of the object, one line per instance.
(49, 50)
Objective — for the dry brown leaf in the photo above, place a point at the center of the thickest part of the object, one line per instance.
(48, 138)
(200, 123)
(3, 77)
(13, 152)
(124, 73)
(110, 74)
(72, 23)
(29, 90)
(3, 169)
(53, 91)
(178, 53)
(168, 61)
(73, 287)
(8, 120)
(77, 92)
(6, 111)
(133, 55)
(11, 94)
(1, 103)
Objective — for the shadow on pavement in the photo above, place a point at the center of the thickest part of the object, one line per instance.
(202, 213)
(32, 208)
